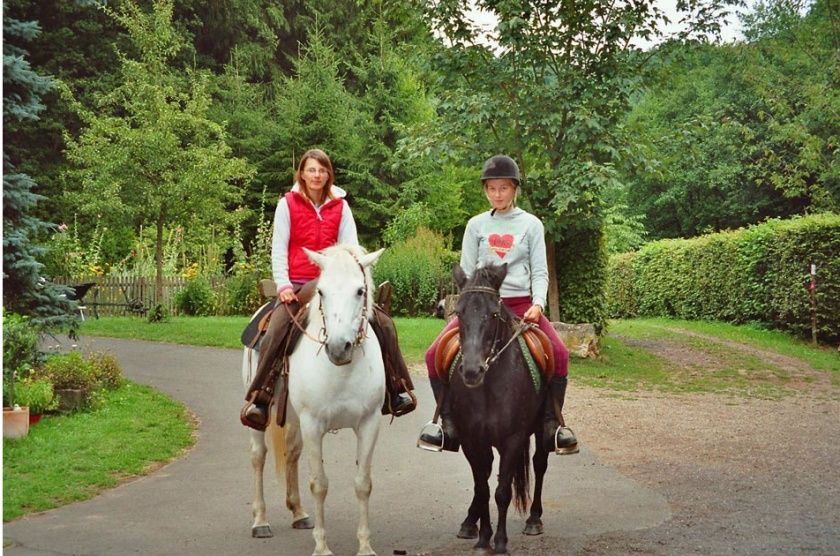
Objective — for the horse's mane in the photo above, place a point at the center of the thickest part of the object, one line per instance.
(483, 277)
(341, 251)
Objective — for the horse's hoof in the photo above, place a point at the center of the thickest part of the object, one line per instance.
(468, 532)
(261, 532)
(303, 523)
(533, 529)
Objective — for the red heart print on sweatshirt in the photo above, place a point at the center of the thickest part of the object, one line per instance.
(501, 244)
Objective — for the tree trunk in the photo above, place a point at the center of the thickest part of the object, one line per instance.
(553, 291)
(159, 260)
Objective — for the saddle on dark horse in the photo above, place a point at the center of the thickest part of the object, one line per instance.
(538, 344)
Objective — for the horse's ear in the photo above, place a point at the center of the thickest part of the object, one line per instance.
(317, 259)
(371, 258)
(498, 275)
(460, 276)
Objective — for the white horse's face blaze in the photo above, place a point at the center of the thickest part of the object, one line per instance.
(342, 298)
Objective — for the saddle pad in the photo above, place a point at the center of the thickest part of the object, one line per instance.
(257, 325)
(541, 349)
(535, 346)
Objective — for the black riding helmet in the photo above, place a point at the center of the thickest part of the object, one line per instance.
(500, 166)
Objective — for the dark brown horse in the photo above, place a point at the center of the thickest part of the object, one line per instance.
(495, 403)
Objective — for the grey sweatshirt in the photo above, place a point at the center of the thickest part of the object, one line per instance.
(515, 237)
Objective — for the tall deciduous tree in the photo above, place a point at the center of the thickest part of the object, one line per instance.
(149, 152)
(548, 85)
(24, 289)
(743, 132)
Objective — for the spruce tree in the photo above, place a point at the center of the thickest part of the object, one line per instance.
(25, 291)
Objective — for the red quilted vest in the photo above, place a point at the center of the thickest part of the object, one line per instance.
(309, 230)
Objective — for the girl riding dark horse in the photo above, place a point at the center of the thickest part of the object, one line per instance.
(495, 402)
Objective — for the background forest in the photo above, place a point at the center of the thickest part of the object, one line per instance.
(166, 130)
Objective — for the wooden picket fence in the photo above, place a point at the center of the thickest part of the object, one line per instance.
(134, 295)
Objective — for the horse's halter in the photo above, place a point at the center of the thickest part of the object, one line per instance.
(498, 316)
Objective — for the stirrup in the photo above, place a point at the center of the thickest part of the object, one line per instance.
(565, 450)
(431, 429)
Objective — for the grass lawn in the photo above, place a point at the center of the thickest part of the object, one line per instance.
(632, 352)
(67, 458)
(415, 334)
(694, 356)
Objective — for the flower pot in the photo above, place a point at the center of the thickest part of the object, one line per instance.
(15, 422)
(34, 418)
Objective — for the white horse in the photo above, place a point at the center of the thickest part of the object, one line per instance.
(336, 381)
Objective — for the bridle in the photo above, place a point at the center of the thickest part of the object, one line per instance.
(498, 315)
(322, 338)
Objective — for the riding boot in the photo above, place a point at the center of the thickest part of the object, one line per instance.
(272, 349)
(557, 437)
(450, 440)
(398, 397)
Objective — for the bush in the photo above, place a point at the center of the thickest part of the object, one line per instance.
(196, 298)
(158, 313)
(106, 370)
(242, 294)
(37, 393)
(417, 269)
(20, 352)
(759, 274)
(71, 372)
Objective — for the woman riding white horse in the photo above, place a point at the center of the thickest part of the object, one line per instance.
(336, 380)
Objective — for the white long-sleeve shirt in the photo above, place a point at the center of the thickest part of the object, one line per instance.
(515, 237)
(282, 231)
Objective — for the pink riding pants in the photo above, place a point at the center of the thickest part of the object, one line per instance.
(518, 305)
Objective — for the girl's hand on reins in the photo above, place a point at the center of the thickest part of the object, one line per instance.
(533, 314)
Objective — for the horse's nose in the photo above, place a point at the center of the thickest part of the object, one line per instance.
(347, 346)
(473, 377)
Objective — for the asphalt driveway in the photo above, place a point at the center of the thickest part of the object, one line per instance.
(200, 504)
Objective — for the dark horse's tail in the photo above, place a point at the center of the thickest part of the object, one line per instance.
(522, 480)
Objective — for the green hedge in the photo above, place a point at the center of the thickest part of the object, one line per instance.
(758, 274)
(581, 263)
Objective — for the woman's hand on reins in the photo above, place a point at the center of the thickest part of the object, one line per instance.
(287, 296)
(533, 314)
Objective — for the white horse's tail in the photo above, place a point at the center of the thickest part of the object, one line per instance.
(278, 444)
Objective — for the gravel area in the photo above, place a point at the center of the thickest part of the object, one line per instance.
(742, 476)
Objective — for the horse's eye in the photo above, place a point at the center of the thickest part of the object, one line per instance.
(360, 292)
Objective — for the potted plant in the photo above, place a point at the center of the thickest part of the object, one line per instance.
(15, 417)
(38, 395)
(20, 355)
